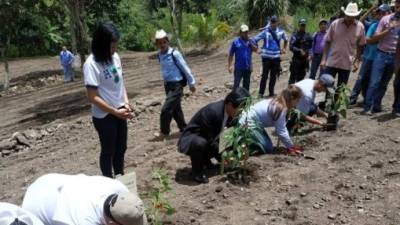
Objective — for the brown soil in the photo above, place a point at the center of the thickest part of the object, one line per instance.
(353, 179)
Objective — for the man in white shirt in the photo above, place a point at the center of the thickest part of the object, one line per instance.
(307, 103)
(58, 199)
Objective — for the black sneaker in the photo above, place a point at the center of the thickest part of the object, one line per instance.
(201, 178)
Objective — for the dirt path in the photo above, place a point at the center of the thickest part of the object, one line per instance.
(354, 179)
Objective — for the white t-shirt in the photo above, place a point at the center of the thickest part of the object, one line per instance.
(305, 103)
(10, 212)
(59, 199)
(108, 80)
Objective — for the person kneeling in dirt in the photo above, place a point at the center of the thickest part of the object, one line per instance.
(176, 75)
(83, 200)
(14, 215)
(307, 104)
(200, 139)
(272, 113)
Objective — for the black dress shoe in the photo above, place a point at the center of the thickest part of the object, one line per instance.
(201, 178)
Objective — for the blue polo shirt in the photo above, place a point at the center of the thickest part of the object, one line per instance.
(242, 50)
(271, 49)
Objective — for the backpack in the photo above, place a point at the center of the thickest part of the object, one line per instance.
(183, 82)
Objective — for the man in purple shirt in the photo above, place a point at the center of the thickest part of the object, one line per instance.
(386, 35)
(318, 48)
(242, 49)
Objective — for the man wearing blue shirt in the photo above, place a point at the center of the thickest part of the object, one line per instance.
(176, 75)
(369, 55)
(242, 49)
(271, 54)
(66, 60)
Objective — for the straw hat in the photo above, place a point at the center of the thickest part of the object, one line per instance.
(351, 10)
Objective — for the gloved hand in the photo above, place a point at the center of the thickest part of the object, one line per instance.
(295, 150)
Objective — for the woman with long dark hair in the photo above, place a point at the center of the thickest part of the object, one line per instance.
(110, 104)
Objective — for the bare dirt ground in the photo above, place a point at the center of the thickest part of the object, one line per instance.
(354, 178)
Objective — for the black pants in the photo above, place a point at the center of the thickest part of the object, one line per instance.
(298, 69)
(343, 75)
(201, 152)
(270, 67)
(172, 107)
(113, 134)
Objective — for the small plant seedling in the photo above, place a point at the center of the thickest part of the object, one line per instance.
(337, 105)
(297, 121)
(160, 205)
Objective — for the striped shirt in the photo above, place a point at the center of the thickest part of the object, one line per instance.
(271, 49)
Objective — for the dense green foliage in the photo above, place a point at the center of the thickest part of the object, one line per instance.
(40, 27)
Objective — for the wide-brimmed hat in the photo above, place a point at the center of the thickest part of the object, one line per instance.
(160, 34)
(351, 10)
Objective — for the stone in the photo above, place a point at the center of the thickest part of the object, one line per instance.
(219, 189)
(7, 144)
(5, 152)
(316, 206)
(31, 134)
(151, 102)
(331, 216)
(21, 139)
(303, 194)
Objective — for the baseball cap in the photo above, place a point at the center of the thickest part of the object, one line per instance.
(127, 209)
(160, 34)
(274, 19)
(323, 21)
(13, 215)
(302, 21)
(328, 81)
(244, 28)
(384, 8)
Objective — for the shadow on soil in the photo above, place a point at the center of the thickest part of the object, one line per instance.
(62, 106)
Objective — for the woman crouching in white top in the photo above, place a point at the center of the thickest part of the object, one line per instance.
(106, 91)
(271, 113)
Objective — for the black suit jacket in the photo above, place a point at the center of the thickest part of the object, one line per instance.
(206, 123)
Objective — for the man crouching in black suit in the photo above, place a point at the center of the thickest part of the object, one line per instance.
(200, 138)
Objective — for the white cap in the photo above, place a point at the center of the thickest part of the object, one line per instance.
(128, 210)
(160, 34)
(351, 10)
(244, 28)
(10, 213)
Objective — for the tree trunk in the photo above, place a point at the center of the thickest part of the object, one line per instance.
(172, 9)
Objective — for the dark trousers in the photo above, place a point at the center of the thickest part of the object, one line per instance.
(298, 69)
(362, 82)
(238, 76)
(396, 85)
(343, 75)
(113, 134)
(172, 107)
(201, 152)
(270, 67)
(315, 63)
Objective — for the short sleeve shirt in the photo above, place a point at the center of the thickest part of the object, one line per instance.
(305, 103)
(344, 41)
(108, 80)
(389, 42)
(371, 49)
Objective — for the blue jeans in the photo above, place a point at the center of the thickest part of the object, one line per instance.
(382, 72)
(316, 61)
(361, 84)
(396, 85)
(239, 75)
(68, 73)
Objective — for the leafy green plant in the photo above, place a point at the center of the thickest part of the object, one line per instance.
(338, 103)
(160, 205)
(296, 117)
(238, 142)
